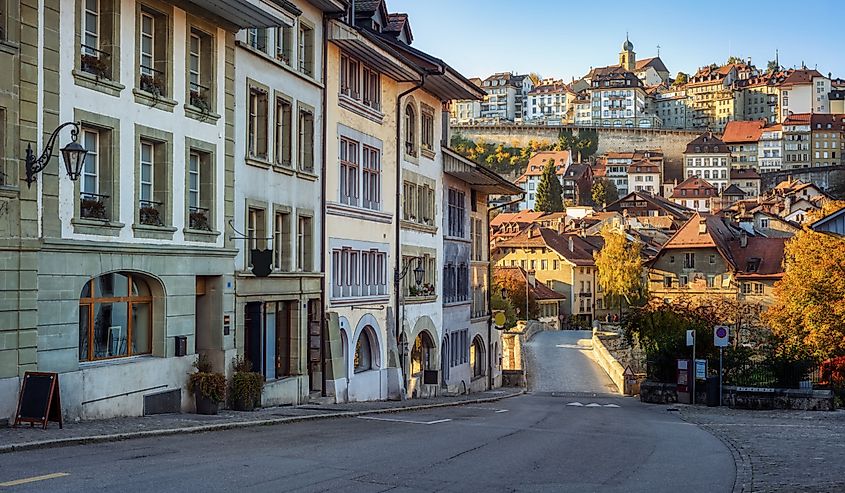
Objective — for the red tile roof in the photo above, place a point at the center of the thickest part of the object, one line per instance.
(801, 76)
(695, 187)
(539, 290)
(707, 143)
(744, 174)
(737, 132)
(761, 258)
(515, 217)
(580, 253)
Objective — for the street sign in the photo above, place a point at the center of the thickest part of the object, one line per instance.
(701, 369)
(690, 338)
(499, 319)
(720, 335)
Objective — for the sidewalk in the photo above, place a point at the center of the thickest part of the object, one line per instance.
(778, 450)
(109, 430)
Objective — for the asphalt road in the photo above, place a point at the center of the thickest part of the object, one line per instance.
(560, 438)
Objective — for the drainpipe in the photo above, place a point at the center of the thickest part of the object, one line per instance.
(490, 291)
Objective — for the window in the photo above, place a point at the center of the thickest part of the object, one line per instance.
(682, 281)
(93, 205)
(153, 57)
(304, 245)
(477, 234)
(283, 132)
(268, 340)
(350, 77)
(115, 317)
(427, 128)
(255, 231)
(456, 213)
(152, 184)
(348, 171)
(366, 351)
(358, 273)
(372, 178)
(712, 259)
(257, 38)
(284, 44)
(711, 281)
(306, 140)
(667, 281)
(372, 88)
(477, 358)
(281, 241)
(257, 124)
(428, 263)
(689, 261)
(410, 130)
(455, 282)
(305, 53)
(200, 69)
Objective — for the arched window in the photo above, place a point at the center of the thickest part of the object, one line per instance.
(115, 317)
(476, 357)
(366, 351)
(410, 130)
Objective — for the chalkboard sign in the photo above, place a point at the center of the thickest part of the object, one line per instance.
(431, 377)
(39, 401)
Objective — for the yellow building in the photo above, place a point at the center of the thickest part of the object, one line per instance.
(563, 262)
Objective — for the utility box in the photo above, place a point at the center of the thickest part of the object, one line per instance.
(683, 380)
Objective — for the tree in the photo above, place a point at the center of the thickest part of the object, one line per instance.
(535, 78)
(604, 192)
(514, 285)
(588, 143)
(549, 190)
(809, 309)
(772, 66)
(734, 59)
(566, 140)
(680, 79)
(620, 266)
(505, 305)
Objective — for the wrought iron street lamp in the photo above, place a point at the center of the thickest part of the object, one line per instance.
(73, 155)
(419, 272)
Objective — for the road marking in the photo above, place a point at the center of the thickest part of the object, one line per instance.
(575, 404)
(593, 404)
(396, 420)
(494, 409)
(610, 405)
(35, 478)
(501, 411)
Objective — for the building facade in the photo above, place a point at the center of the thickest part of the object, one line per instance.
(709, 158)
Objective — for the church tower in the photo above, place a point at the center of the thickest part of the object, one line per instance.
(627, 57)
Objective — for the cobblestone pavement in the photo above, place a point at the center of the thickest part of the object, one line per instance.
(779, 451)
(185, 422)
(562, 361)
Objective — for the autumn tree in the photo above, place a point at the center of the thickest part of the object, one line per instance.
(620, 267)
(734, 59)
(604, 192)
(549, 190)
(514, 286)
(809, 309)
(680, 79)
(566, 140)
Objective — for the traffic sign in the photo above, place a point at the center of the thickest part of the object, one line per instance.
(720, 335)
(701, 369)
(499, 319)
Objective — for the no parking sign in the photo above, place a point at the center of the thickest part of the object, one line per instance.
(720, 335)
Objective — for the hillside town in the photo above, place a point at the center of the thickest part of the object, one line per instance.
(287, 214)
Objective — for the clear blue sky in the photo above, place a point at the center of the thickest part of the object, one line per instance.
(562, 38)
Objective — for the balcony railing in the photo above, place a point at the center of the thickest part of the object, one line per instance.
(198, 218)
(93, 206)
(95, 62)
(200, 96)
(152, 81)
(149, 213)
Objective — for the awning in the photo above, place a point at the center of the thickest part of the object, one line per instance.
(245, 13)
(475, 175)
(356, 44)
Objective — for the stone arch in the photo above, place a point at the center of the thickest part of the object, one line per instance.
(477, 359)
(369, 327)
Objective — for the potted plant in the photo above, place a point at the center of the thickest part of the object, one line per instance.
(150, 216)
(246, 385)
(198, 220)
(208, 386)
(92, 208)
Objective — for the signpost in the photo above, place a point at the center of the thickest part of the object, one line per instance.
(691, 342)
(720, 340)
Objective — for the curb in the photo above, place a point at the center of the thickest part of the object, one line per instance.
(744, 479)
(116, 437)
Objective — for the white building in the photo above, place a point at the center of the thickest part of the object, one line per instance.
(468, 110)
(709, 158)
(770, 149)
(804, 91)
(278, 200)
(670, 105)
(500, 102)
(583, 110)
(619, 100)
(530, 179)
(548, 103)
(644, 175)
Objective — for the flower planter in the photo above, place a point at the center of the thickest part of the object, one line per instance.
(205, 405)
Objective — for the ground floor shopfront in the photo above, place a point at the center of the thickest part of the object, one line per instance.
(122, 324)
(279, 323)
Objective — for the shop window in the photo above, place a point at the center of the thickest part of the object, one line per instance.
(422, 354)
(115, 317)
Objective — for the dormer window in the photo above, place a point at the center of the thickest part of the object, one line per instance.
(753, 264)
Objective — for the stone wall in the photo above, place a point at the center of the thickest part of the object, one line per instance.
(608, 363)
(672, 142)
(739, 398)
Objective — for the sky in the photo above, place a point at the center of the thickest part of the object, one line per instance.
(563, 38)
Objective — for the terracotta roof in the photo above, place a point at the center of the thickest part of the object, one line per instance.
(540, 158)
(761, 258)
(707, 143)
(675, 210)
(797, 119)
(744, 174)
(801, 76)
(655, 62)
(539, 290)
(695, 187)
(557, 87)
(737, 131)
(536, 236)
(644, 166)
(515, 217)
(715, 235)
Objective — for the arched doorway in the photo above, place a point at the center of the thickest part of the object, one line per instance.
(476, 357)
(115, 317)
(422, 354)
(366, 351)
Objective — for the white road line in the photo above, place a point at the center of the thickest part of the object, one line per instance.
(578, 404)
(396, 420)
(610, 405)
(593, 404)
(35, 478)
(501, 411)
(494, 409)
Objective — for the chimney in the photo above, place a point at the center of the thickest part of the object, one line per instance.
(571, 245)
(743, 239)
(532, 278)
(702, 226)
